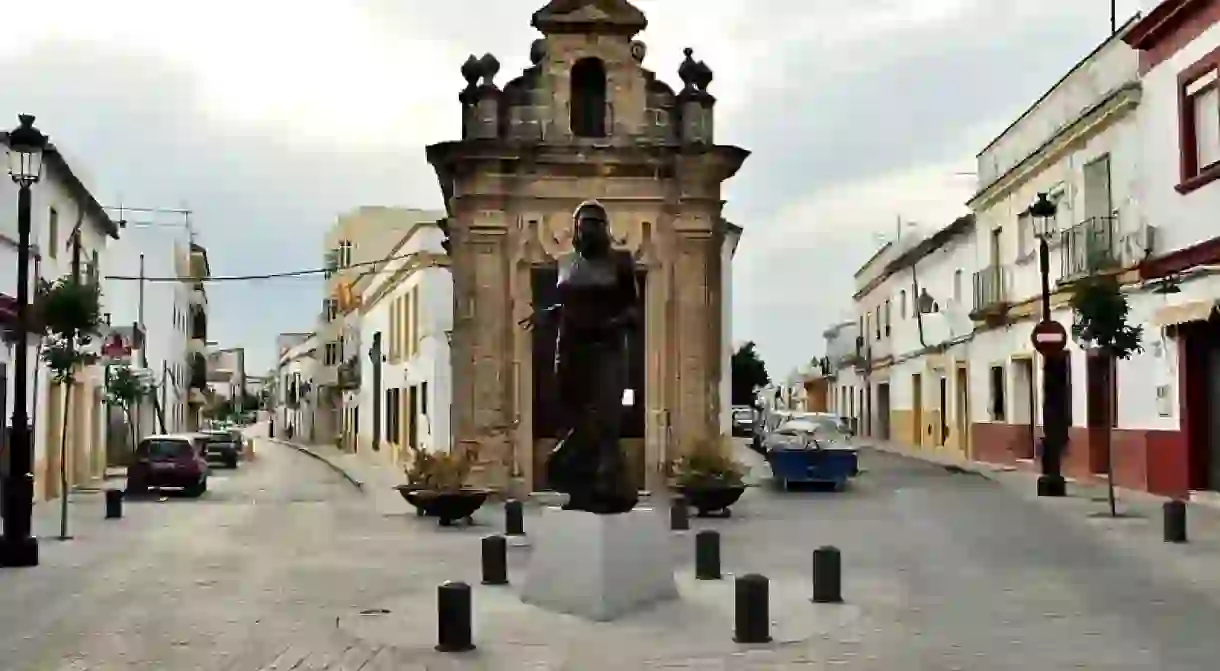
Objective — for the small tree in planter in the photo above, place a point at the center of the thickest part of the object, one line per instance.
(70, 312)
(708, 477)
(436, 485)
(127, 391)
(1101, 320)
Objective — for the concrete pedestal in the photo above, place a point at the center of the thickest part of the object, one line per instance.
(599, 567)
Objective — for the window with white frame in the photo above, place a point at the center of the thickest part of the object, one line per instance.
(1203, 112)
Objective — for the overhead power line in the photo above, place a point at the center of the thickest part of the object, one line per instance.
(264, 276)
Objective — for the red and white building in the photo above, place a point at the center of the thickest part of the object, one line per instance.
(1169, 441)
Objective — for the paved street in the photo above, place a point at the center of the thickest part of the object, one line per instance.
(274, 568)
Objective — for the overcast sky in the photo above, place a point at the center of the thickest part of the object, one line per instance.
(269, 117)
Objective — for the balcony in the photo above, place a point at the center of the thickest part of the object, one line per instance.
(1089, 247)
(990, 293)
(199, 372)
(349, 374)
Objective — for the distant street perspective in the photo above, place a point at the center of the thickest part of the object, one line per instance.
(592, 375)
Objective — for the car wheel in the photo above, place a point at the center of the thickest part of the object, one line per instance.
(198, 489)
(232, 462)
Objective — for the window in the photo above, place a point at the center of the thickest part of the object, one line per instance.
(877, 323)
(393, 414)
(997, 393)
(330, 308)
(587, 106)
(52, 250)
(887, 317)
(344, 253)
(1027, 238)
(1199, 123)
(332, 354)
(902, 304)
(423, 398)
(957, 286)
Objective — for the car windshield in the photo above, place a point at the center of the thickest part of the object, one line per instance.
(166, 448)
(742, 413)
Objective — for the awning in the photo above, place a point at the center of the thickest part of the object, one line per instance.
(1182, 313)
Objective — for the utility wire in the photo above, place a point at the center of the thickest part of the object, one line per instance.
(266, 276)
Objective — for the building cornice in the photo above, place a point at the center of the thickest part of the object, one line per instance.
(1111, 109)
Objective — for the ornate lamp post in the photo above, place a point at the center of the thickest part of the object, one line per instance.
(18, 547)
(1050, 339)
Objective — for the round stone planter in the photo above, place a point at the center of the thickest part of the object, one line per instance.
(712, 500)
(447, 506)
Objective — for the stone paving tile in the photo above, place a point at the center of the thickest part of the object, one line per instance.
(942, 571)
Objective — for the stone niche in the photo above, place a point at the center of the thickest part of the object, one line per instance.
(511, 184)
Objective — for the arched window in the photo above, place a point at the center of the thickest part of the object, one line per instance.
(587, 110)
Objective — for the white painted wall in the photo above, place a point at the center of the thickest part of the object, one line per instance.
(727, 251)
(1181, 220)
(298, 363)
(431, 364)
(166, 314)
(50, 192)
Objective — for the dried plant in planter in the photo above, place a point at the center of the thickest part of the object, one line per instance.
(438, 471)
(708, 464)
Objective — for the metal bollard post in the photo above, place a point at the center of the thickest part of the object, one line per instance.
(114, 504)
(514, 518)
(453, 614)
(753, 609)
(827, 575)
(707, 555)
(679, 514)
(1174, 513)
(495, 560)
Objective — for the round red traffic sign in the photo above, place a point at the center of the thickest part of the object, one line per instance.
(1049, 337)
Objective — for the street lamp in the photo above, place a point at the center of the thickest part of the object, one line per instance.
(1050, 339)
(18, 547)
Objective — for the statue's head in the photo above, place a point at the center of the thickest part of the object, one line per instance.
(591, 235)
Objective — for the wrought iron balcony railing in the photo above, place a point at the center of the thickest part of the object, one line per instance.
(1090, 247)
(990, 290)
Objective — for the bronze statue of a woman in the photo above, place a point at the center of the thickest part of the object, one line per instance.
(598, 307)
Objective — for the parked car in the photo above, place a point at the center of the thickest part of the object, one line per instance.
(811, 448)
(743, 420)
(169, 461)
(223, 446)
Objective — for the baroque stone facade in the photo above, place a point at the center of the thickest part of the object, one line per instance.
(586, 120)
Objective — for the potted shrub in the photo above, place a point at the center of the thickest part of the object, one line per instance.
(436, 486)
(709, 478)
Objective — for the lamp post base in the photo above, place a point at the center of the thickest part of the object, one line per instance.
(19, 552)
(1052, 485)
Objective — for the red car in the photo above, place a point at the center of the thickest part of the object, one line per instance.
(170, 461)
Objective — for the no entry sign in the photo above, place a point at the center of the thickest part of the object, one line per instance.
(1049, 337)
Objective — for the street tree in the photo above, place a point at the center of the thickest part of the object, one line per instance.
(1100, 322)
(70, 316)
(749, 374)
(126, 390)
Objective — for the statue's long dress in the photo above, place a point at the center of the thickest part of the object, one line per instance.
(591, 374)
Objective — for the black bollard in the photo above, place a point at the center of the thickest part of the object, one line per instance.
(495, 560)
(707, 555)
(114, 504)
(753, 609)
(453, 613)
(1175, 521)
(514, 520)
(679, 515)
(827, 575)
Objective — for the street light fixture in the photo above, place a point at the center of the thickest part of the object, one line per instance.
(18, 546)
(1050, 338)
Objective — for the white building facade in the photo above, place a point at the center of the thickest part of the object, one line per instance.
(59, 202)
(296, 404)
(1167, 437)
(406, 318)
(1080, 145)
